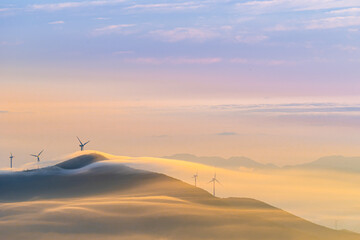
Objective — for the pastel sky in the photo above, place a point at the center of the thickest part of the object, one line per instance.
(273, 80)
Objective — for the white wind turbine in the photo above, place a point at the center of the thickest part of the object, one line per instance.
(214, 181)
(11, 160)
(195, 178)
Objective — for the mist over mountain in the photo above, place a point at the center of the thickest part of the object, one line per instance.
(84, 175)
(231, 163)
(335, 163)
(92, 196)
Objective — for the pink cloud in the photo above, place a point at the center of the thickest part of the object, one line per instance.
(181, 34)
(270, 62)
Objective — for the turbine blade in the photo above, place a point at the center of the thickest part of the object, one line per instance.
(33, 155)
(40, 152)
(86, 143)
(218, 182)
(79, 140)
(210, 181)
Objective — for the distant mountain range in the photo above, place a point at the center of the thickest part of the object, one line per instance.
(233, 162)
(336, 163)
(230, 163)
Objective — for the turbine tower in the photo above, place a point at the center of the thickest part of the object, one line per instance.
(82, 145)
(214, 181)
(11, 160)
(37, 156)
(195, 178)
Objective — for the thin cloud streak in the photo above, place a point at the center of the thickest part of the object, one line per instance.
(303, 108)
(345, 11)
(211, 60)
(69, 5)
(334, 22)
(183, 33)
(119, 28)
(166, 6)
(56, 22)
(174, 61)
(102, 18)
(270, 62)
(250, 39)
(295, 5)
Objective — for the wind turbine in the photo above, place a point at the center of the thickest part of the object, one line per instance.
(195, 177)
(37, 156)
(82, 145)
(214, 181)
(11, 160)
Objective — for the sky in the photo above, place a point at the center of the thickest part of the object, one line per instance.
(274, 80)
